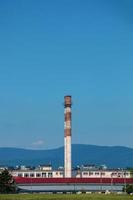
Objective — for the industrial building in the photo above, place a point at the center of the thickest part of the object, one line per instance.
(67, 179)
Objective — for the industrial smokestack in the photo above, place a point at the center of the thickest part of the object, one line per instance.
(67, 136)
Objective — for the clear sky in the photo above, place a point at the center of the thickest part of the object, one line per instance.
(53, 48)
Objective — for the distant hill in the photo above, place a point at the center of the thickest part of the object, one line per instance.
(81, 154)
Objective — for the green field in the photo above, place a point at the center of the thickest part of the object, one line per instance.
(65, 197)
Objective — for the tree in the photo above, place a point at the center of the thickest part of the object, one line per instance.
(129, 189)
(131, 172)
(7, 183)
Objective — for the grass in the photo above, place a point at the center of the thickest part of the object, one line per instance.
(64, 197)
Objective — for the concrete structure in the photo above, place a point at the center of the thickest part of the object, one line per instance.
(114, 173)
(67, 137)
(83, 181)
(45, 167)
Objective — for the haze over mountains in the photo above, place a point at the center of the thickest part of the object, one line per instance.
(113, 157)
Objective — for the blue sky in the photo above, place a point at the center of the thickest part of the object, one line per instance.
(53, 48)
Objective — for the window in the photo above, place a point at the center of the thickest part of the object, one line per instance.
(49, 175)
(32, 175)
(44, 175)
(38, 175)
(85, 173)
(20, 175)
(26, 175)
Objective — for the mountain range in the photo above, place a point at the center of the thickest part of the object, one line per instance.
(113, 157)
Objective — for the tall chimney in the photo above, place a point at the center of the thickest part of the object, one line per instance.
(67, 136)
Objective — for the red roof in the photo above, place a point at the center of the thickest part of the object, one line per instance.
(26, 180)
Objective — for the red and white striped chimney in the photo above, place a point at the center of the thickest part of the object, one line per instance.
(67, 137)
